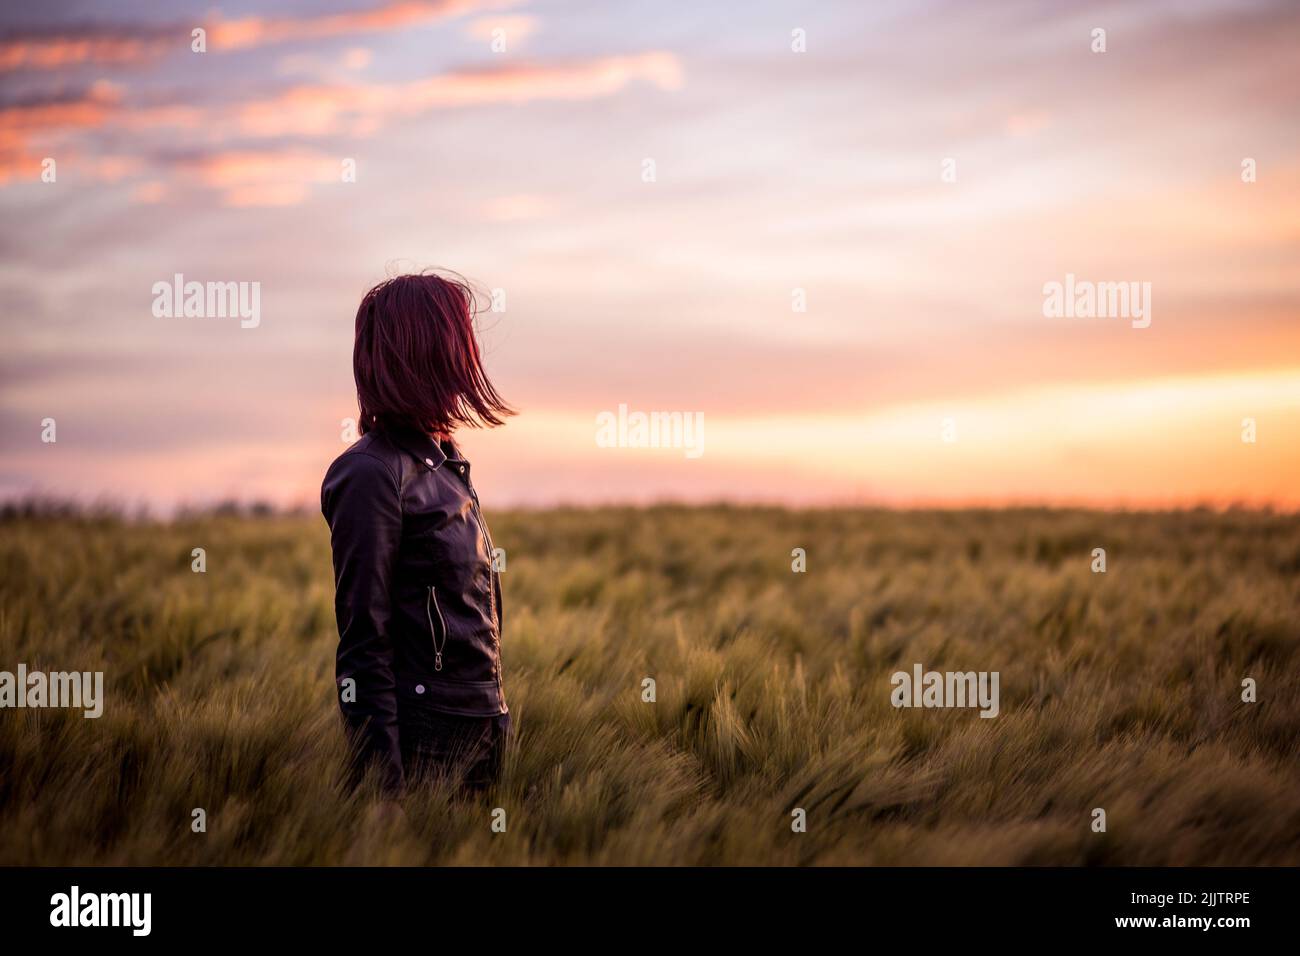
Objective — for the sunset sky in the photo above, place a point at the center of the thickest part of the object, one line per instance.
(775, 170)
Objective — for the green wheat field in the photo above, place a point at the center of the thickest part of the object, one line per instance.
(1120, 691)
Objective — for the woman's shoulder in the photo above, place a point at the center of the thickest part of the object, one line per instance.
(369, 463)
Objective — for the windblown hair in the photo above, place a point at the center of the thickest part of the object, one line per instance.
(416, 358)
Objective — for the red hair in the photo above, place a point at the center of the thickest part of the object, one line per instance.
(416, 358)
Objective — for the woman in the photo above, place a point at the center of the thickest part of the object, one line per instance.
(417, 596)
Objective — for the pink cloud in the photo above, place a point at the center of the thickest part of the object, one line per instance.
(259, 31)
(23, 123)
(320, 110)
(133, 44)
(252, 178)
(314, 110)
(56, 51)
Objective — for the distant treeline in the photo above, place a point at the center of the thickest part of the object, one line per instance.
(38, 507)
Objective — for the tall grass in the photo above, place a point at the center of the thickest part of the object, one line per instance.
(1118, 690)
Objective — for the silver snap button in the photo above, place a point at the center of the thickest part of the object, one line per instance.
(429, 462)
(462, 469)
(419, 688)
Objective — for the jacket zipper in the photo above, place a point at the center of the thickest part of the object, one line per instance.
(487, 541)
(432, 602)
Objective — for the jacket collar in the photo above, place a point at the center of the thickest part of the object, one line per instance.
(418, 444)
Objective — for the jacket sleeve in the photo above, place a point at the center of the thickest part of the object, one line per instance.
(361, 502)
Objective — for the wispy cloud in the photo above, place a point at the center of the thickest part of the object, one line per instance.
(260, 31)
(107, 46)
(311, 110)
(118, 44)
(23, 121)
(265, 178)
(333, 67)
(362, 109)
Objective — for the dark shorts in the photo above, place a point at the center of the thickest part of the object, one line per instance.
(464, 751)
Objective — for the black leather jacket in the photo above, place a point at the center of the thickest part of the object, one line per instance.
(417, 598)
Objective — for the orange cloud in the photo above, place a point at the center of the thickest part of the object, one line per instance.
(360, 110)
(252, 178)
(87, 109)
(259, 31)
(46, 50)
(58, 50)
(20, 123)
(318, 110)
